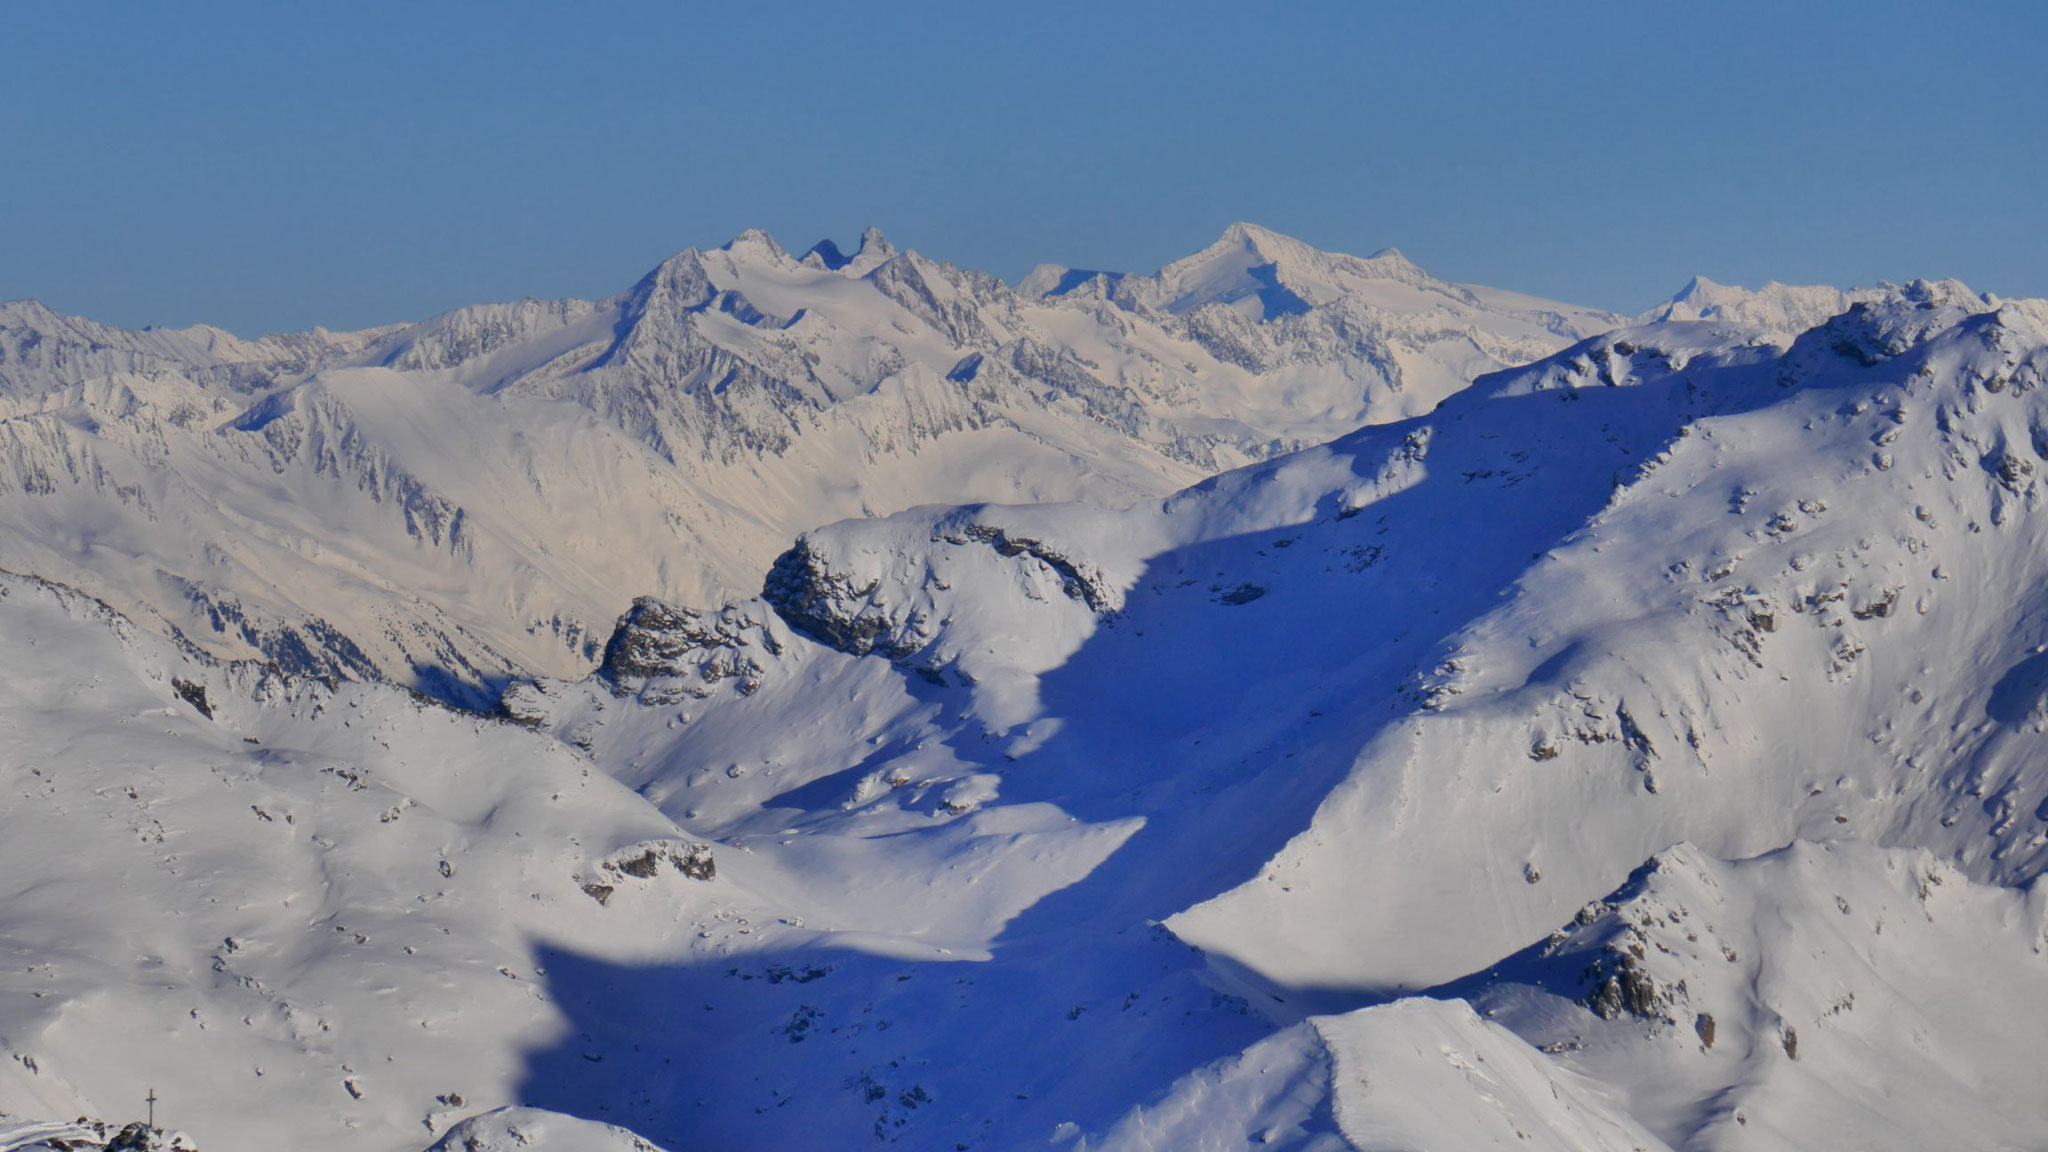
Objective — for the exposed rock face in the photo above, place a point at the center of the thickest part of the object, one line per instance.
(823, 586)
(646, 861)
(194, 694)
(672, 651)
(140, 1137)
(1610, 942)
(830, 607)
(1078, 579)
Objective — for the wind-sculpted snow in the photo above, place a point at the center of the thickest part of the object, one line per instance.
(1819, 996)
(460, 502)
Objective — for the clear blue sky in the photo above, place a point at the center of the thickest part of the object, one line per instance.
(276, 165)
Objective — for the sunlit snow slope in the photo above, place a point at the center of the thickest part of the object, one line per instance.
(307, 917)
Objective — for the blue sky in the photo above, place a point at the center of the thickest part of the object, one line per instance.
(266, 166)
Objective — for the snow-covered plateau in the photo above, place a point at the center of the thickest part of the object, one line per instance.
(808, 704)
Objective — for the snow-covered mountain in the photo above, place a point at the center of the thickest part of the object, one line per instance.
(1639, 749)
(478, 496)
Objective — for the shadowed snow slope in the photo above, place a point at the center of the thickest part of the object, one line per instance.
(477, 496)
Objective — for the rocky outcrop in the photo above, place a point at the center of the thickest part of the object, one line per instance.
(836, 610)
(835, 601)
(1078, 579)
(645, 862)
(86, 1134)
(670, 651)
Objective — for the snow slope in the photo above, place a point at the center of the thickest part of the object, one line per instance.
(478, 496)
(1789, 999)
(306, 916)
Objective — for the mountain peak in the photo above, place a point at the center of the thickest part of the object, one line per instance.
(1242, 270)
(874, 250)
(1047, 281)
(1700, 290)
(29, 311)
(825, 254)
(1394, 256)
(1275, 247)
(1246, 232)
(755, 242)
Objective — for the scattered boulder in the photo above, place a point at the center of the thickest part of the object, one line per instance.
(646, 861)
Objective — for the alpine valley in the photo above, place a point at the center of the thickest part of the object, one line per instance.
(813, 703)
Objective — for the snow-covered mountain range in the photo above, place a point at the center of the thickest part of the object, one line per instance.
(1633, 743)
(456, 502)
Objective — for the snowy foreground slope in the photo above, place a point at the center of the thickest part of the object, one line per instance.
(306, 916)
(1639, 750)
(452, 503)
